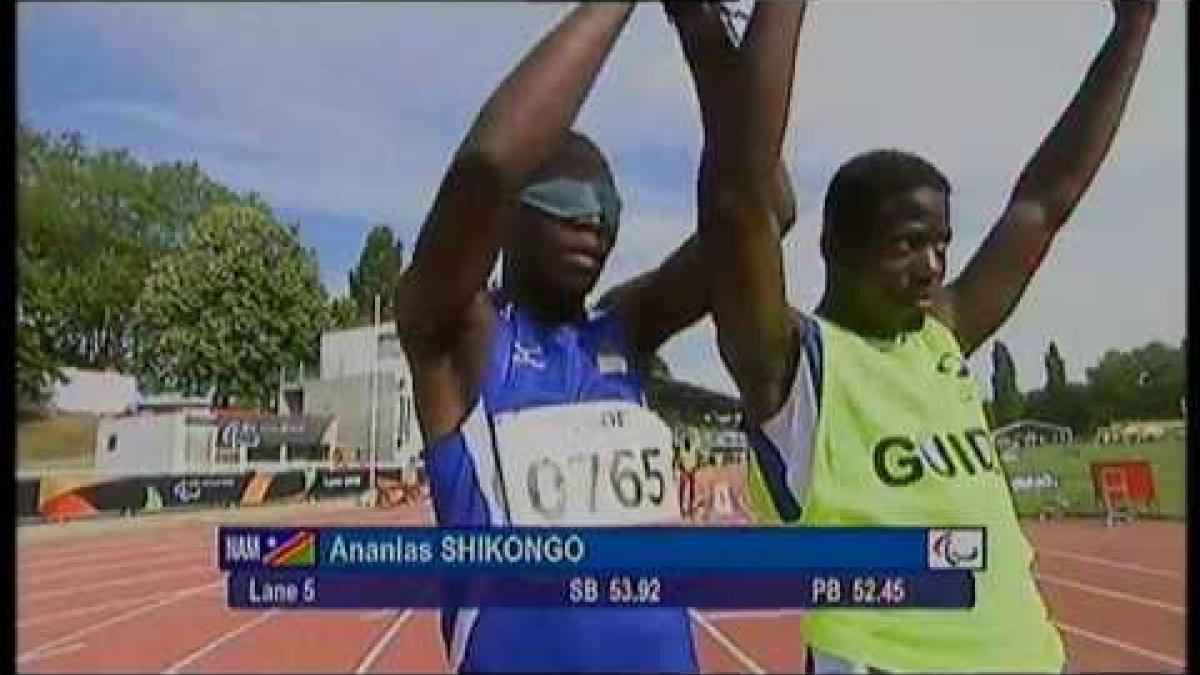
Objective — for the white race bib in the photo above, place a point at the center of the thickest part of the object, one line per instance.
(587, 464)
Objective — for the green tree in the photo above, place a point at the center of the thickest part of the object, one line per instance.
(36, 365)
(1007, 404)
(90, 225)
(1144, 383)
(1059, 401)
(1056, 369)
(1068, 406)
(239, 299)
(378, 265)
(35, 369)
(342, 313)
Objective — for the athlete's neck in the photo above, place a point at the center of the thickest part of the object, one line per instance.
(544, 307)
(849, 311)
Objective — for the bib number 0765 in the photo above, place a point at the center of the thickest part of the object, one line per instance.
(630, 477)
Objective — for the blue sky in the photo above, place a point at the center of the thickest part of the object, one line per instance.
(343, 115)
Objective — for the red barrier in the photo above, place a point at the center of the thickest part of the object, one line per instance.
(1124, 482)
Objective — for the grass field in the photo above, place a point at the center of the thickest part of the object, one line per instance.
(1071, 464)
(57, 441)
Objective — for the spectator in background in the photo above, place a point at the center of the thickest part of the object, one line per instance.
(407, 483)
(687, 460)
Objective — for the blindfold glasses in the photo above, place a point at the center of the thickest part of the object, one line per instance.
(591, 201)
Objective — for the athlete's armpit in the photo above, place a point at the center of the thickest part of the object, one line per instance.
(448, 364)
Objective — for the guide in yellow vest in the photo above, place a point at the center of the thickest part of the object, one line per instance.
(865, 413)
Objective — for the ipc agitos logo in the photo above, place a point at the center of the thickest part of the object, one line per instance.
(186, 490)
(960, 548)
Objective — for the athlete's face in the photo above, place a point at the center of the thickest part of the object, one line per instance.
(902, 262)
(563, 254)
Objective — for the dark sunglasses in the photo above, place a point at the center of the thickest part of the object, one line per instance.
(591, 201)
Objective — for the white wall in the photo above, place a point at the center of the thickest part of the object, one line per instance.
(346, 353)
(344, 391)
(145, 443)
(94, 391)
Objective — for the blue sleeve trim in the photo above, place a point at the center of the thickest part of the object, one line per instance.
(770, 463)
(814, 354)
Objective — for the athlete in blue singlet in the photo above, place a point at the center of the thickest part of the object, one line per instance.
(528, 401)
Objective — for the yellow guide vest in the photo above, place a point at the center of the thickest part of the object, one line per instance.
(901, 440)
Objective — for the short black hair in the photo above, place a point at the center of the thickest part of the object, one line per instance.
(576, 149)
(863, 182)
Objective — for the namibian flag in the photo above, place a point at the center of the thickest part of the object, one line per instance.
(299, 550)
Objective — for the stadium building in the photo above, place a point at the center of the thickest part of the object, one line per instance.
(353, 362)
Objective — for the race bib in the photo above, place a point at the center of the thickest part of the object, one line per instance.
(587, 464)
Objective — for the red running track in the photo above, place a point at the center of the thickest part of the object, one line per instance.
(145, 595)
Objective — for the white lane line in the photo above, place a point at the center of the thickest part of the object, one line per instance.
(142, 578)
(373, 654)
(123, 616)
(1113, 642)
(79, 570)
(207, 649)
(91, 609)
(1055, 553)
(57, 651)
(751, 613)
(728, 644)
(1127, 597)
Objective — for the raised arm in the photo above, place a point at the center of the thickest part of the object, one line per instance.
(516, 131)
(658, 304)
(1053, 181)
(738, 229)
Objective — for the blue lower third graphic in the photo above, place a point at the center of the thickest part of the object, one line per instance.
(841, 588)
